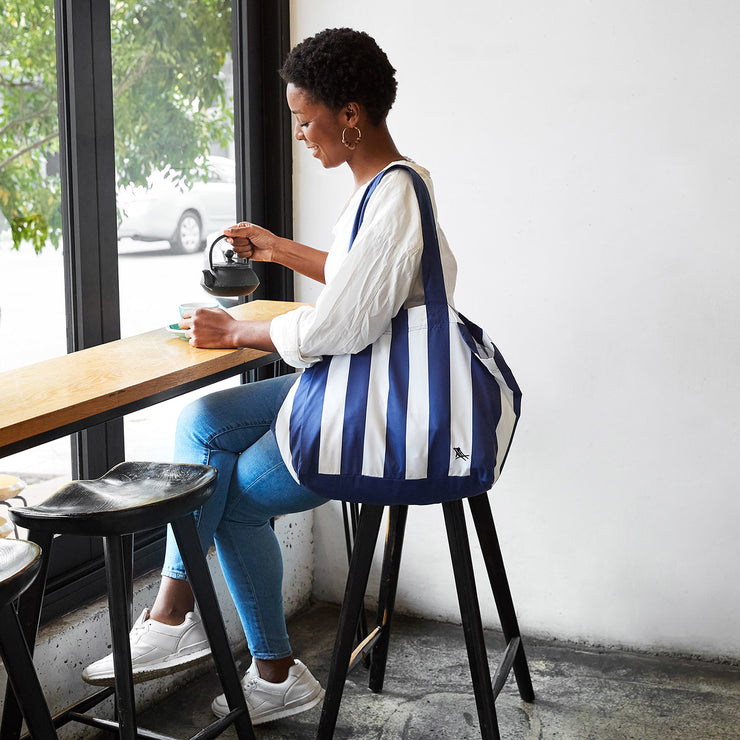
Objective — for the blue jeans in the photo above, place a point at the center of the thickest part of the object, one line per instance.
(230, 430)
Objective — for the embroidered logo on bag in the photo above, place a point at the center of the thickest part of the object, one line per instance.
(459, 454)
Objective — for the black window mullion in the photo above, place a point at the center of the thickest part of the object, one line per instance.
(264, 168)
(261, 39)
(88, 203)
(245, 50)
(85, 97)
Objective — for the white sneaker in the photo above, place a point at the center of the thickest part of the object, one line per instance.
(268, 701)
(156, 650)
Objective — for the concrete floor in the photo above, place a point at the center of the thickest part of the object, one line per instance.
(582, 694)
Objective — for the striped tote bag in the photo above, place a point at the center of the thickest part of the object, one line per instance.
(425, 414)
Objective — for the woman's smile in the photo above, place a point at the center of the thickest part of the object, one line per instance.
(319, 128)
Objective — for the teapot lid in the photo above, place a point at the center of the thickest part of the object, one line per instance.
(231, 261)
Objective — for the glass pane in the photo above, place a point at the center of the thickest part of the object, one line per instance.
(173, 110)
(32, 306)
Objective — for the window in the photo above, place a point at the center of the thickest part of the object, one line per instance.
(94, 285)
(175, 173)
(32, 310)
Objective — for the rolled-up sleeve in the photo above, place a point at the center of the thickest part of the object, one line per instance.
(286, 331)
(369, 286)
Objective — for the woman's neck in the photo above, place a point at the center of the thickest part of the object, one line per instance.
(375, 152)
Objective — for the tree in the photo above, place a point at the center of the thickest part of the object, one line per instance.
(169, 98)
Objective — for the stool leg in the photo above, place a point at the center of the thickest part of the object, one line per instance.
(352, 604)
(22, 676)
(480, 508)
(114, 548)
(127, 541)
(199, 576)
(462, 565)
(29, 613)
(350, 512)
(387, 593)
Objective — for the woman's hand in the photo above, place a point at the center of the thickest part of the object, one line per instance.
(214, 328)
(252, 242)
(211, 328)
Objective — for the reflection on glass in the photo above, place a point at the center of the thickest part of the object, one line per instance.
(173, 111)
(32, 308)
(168, 210)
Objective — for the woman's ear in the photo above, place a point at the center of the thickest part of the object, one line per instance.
(351, 113)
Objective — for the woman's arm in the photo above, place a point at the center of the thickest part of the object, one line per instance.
(366, 286)
(250, 241)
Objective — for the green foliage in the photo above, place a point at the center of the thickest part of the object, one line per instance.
(28, 122)
(169, 100)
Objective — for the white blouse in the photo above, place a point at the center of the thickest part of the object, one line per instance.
(367, 285)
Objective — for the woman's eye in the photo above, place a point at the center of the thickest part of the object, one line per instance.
(304, 124)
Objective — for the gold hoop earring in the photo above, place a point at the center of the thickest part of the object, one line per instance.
(352, 144)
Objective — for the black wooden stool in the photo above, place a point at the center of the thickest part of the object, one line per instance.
(20, 562)
(131, 497)
(375, 643)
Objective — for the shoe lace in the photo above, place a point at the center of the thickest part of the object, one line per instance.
(139, 630)
(248, 683)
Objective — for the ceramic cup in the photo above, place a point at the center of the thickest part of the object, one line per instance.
(188, 308)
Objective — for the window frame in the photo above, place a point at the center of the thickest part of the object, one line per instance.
(260, 40)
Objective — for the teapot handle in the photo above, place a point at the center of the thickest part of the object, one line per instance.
(210, 251)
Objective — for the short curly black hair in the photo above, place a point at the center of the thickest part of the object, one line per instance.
(341, 65)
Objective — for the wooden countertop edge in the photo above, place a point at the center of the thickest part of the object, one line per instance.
(128, 390)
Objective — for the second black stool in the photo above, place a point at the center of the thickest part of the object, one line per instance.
(375, 644)
(132, 497)
(20, 562)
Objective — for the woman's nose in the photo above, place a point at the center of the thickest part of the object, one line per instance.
(298, 132)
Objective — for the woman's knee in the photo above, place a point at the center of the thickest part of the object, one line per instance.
(197, 418)
(187, 421)
(191, 413)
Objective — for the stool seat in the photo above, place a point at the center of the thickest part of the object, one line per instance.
(19, 563)
(130, 497)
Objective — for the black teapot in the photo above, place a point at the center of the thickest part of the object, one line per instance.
(233, 277)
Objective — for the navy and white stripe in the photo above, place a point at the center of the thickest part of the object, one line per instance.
(424, 414)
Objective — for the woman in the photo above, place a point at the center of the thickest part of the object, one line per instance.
(340, 87)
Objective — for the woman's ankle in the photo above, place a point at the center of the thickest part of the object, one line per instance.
(274, 671)
(173, 617)
(174, 600)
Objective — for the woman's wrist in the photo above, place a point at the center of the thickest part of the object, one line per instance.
(254, 334)
(280, 250)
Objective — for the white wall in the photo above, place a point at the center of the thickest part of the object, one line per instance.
(586, 159)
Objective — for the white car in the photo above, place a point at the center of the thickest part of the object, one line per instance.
(166, 210)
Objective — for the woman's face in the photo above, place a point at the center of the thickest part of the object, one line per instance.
(317, 126)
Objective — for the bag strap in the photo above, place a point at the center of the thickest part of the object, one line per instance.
(431, 261)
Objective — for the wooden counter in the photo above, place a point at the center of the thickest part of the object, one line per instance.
(56, 397)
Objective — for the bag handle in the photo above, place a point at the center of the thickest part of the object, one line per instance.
(431, 261)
